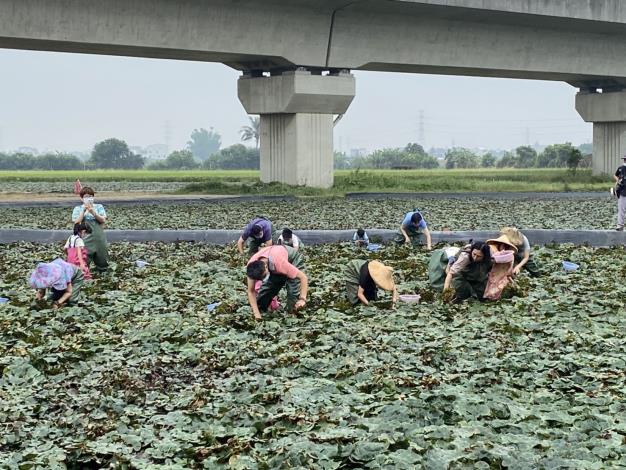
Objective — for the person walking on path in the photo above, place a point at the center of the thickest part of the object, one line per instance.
(257, 233)
(93, 216)
(277, 266)
(76, 251)
(62, 278)
(363, 278)
(523, 258)
(413, 229)
(620, 192)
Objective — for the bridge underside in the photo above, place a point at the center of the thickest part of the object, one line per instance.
(579, 42)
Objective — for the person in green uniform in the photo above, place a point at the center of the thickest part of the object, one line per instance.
(364, 278)
(62, 278)
(469, 273)
(439, 265)
(95, 217)
(523, 256)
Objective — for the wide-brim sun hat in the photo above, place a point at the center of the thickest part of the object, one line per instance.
(504, 240)
(515, 236)
(45, 275)
(382, 275)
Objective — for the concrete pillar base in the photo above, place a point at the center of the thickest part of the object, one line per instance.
(607, 112)
(609, 138)
(297, 149)
(296, 129)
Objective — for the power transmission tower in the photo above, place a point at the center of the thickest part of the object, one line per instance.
(421, 135)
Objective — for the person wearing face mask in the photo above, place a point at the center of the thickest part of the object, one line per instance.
(469, 274)
(277, 266)
(93, 216)
(257, 233)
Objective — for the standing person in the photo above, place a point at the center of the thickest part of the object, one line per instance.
(76, 251)
(62, 278)
(259, 231)
(523, 256)
(620, 192)
(363, 278)
(277, 266)
(469, 273)
(288, 238)
(93, 216)
(360, 238)
(411, 230)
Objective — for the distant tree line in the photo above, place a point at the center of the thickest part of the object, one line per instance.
(48, 161)
(203, 152)
(553, 156)
(412, 156)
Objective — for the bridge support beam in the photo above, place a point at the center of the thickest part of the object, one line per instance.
(296, 129)
(607, 112)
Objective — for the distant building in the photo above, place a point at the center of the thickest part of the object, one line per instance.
(360, 152)
(151, 152)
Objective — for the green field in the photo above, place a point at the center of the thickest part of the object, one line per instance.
(140, 375)
(247, 182)
(455, 213)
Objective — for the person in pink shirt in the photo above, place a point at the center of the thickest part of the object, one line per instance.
(277, 266)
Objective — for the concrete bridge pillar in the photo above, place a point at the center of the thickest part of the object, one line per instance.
(607, 112)
(296, 129)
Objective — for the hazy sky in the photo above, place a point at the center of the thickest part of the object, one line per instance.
(57, 101)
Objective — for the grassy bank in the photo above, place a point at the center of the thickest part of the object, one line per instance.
(247, 182)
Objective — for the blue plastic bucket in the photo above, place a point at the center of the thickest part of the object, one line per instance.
(570, 267)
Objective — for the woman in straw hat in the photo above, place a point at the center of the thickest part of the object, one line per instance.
(364, 278)
(523, 256)
(500, 275)
(468, 275)
(62, 278)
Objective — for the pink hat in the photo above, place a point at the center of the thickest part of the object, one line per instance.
(45, 275)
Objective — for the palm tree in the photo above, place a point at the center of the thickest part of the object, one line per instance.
(252, 131)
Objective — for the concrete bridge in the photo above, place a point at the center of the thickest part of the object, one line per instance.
(296, 55)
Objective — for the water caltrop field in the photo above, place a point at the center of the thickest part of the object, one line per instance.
(140, 374)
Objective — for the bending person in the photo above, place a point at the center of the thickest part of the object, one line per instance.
(259, 231)
(288, 238)
(363, 278)
(469, 273)
(503, 255)
(93, 216)
(412, 228)
(277, 266)
(62, 278)
(523, 256)
(439, 265)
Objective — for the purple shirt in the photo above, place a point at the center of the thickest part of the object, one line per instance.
(265, 224)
